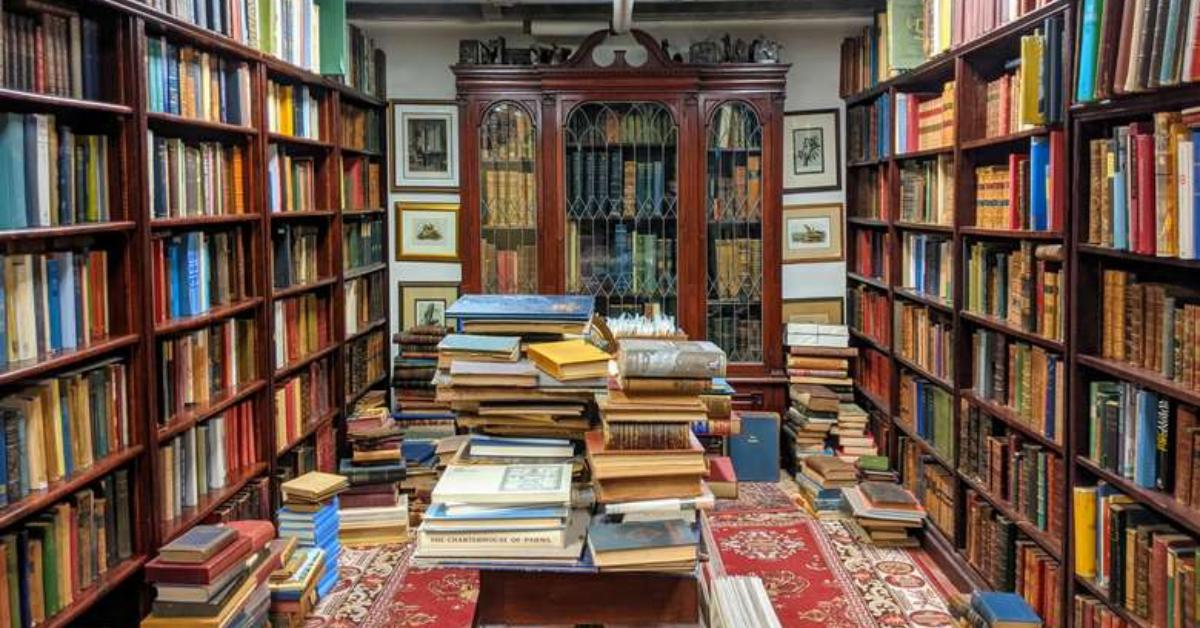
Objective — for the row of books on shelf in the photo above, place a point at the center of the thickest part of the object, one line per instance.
(291, 182)
(194, 83)
(927, 265)
(737, 266)
(508, 198)
(365, 67)
(512, 268)
(1025, 379)
(205, 458)
(870, 313)
(1130, 46)
(927, 191)
(1021, 285)
(52, 176)
(197, 271)
(301, 327)
(620, 186)
(301, 401)
(931, 484)
(53, 558)
(1143, 564)
(366, 301)
(868, 194)
(1141, 187)
(1029, 192)
(363, 243)
(61, 426)
(1144, 437)
(629, 261)
(199, 368)
(928, 411)
(360, 183)
(361, 128)
(507, 137)
(1027, 477)
(56, 301)
(1009, 561)
(600, 125)
(925, 338)
(872, 254)
(297, 253)
(909, 32)
(195, 178)
(874, 374)
(293, 109)
(868, 130)
(1152, 326)
(50, 50)
(734, 188)
(366, 360)
(924, 121)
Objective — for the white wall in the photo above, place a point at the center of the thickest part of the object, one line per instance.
(419, 56)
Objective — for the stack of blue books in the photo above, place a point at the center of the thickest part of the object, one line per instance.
(314, 528)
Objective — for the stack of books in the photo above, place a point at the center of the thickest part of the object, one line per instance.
(486, 514)
(214, 576)
(721, 421)
(294, 585)
(821, 479)
(876, 468)
(310, 514)
(372, 510)
(809, 420)
(851, 433)
(819, 355)
(414, 367)
(887, 512)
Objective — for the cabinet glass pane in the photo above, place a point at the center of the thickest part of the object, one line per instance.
(734, 191)
(508, 200)
(622, 206)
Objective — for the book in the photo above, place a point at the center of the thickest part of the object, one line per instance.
(194, 83)
(197, 544)
(194, 272)
(290, 181)
(293, 110)
(569, 360)
(313, 487)
(204, 459)
(645, 544)
(505, 484)
(498, 348)
(755, 451)
(651, 358)
(190, 178)
(67, 62)
(63, 178)
(1004, 610)
(517, 374)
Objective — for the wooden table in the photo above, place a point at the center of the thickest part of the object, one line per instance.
(541, 598)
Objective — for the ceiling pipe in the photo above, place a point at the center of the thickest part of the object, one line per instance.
(622, 19)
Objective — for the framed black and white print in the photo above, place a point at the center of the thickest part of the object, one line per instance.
(424, 145)
(811, 151)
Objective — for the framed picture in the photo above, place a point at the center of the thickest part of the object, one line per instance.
(426, 232)
(819, 311)
(425, 303)
(812, 152)
(424, 145)
(812, 233)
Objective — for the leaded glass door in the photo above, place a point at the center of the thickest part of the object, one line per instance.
(622, 206)
(734, 191)
(508, 198)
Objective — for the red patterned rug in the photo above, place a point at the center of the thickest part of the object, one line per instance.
(757, 497)
(377, 588)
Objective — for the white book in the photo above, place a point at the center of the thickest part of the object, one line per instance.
(505, 484)
(1187, 208)
(576, 533)
(42, 157)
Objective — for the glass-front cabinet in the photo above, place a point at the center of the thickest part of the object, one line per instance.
(508, 200)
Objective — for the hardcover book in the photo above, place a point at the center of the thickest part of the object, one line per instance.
(198, 544)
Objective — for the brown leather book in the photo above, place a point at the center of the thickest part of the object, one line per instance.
(640, 489)
(159, 570)
(1124, 45)
(1110, 35)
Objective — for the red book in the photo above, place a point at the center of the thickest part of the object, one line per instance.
(720, 469)
(1193, 72)
(369, 500)
(259, 531)
(1145, 242)
(159, 570)
(1015, 183)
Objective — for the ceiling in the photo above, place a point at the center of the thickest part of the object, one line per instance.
(593, 10)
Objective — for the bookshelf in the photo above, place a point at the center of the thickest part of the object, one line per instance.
(123, 235)
(917, 311)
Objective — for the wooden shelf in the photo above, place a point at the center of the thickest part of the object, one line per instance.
(1002, 326)
(1001, 234)
(1052, 545)
(1010, 419)
(304, 215)
(47, 102)
(360, 152)
(107, 581)
(215, 315)
(1117, 254)
(353, 397)
(927, 447)
(928, 152)
(925, 226)
(1183, 516)
(877, 223)
(183, 423)
(1132, 620)
(875, 401)
(58, 361)
(1019, 136)
(324, 420)
(364, 270)
(366, 329)
(187, 222)
(870, 281)
(181, 123)
(363, 98)
(917, 297)
(172, 528)
(291, 291)
(298, 142)
(922, 372)
(68, 231)
(295, 367)
(869, 341)
(879, 161)
(364, 213)
(1142, 377)
(37, 501)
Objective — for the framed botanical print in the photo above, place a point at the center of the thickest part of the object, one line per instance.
(812, 233)
(819, 311)
(426, 232)
(426, 303)
(424, 145)
(812, 152)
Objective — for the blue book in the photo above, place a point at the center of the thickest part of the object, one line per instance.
(22, 440)
(53, 297)
(66, 301)
(441, 511)
(1196, 194)
(4, 471)
(12, 171)
(755, 451)
(419, 451)
(172, 78)
(1004, 610)
(1170, 51)
(3, 320)
(1089, 43)
(1120, 212)
(195, 274)
(1145, 437)
(525, 307)
(1039, 162)
(176, 263)
(66, 148)
(480, 344)
(605, 535)
(68, 459)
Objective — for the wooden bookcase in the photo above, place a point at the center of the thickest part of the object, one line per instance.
(124, 116)
(528, 124)
(970, 66)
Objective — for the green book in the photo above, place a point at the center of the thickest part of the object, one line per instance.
(334, 49)
(43, 531)
(906, 49)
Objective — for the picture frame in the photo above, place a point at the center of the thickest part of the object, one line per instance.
(426, 232)
(812, 233)
(424, 139)
(823, 311)
(425, 302)
(812, 151)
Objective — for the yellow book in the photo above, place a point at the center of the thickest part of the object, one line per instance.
(314, 486)
(285, 110)
(1032, 47)
(945, 11)
(569, 359)
(1084, 500)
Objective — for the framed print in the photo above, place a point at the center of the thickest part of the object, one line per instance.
(426, 232)
(812, 233)
(812, 152)
(819, 311)
(426, 303)
(424, 145)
